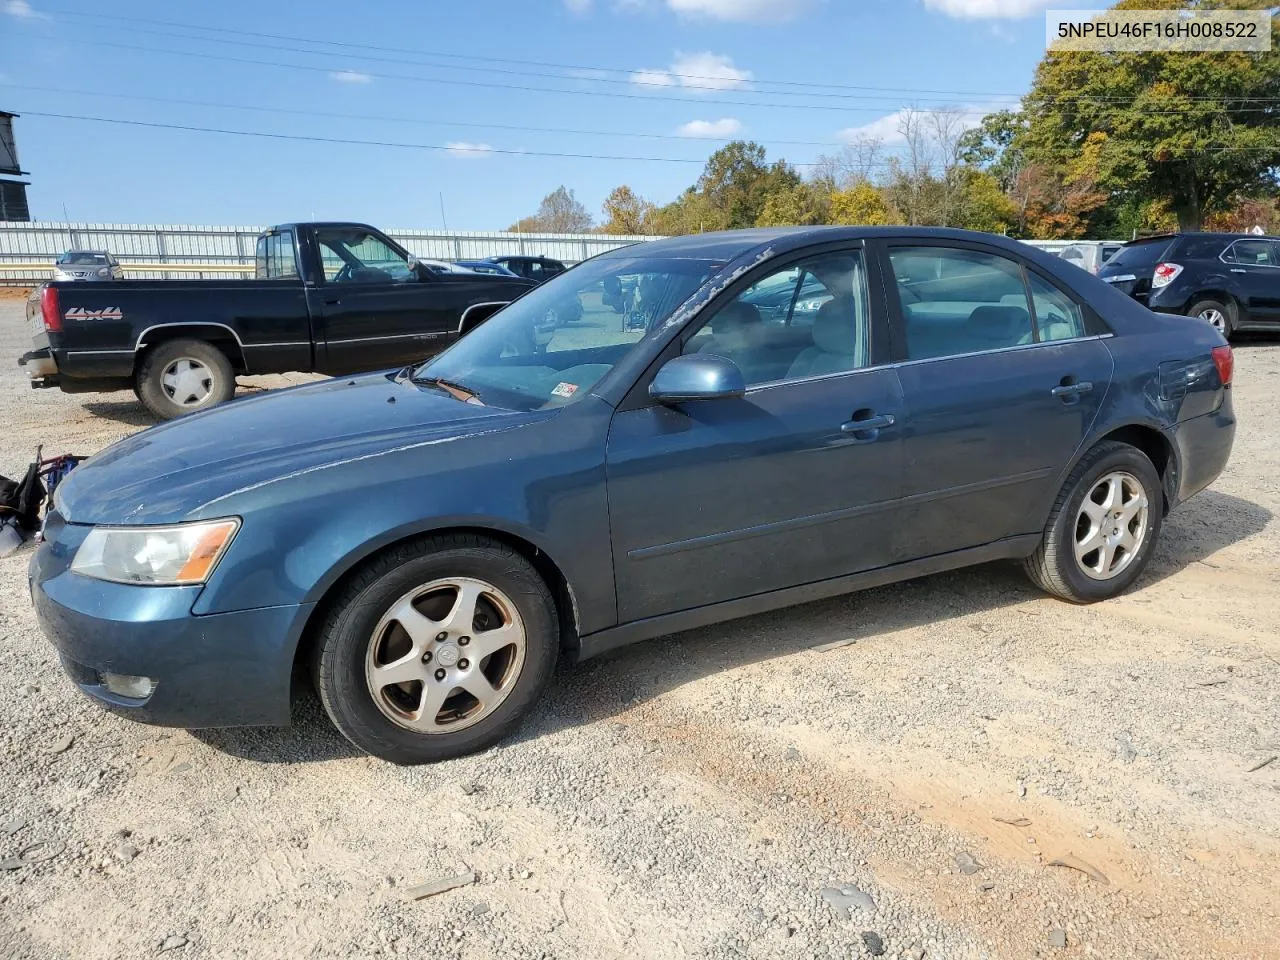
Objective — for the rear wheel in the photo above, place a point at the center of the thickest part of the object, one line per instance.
(437, 649)
(1103, 526)
(183, 376)
(1216, 313)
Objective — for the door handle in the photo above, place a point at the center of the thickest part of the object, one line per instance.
(868, 428)
(1238, 270)
(332, 303)
(1069, 391)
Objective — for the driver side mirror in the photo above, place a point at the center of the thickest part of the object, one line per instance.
(697, 377)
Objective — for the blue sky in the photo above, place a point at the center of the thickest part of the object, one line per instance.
(685, 73)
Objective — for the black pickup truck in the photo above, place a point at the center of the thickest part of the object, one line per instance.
(326, 297)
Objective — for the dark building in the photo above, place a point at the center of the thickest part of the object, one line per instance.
(13, 193)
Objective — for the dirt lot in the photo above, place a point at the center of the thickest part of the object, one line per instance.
(693, 797)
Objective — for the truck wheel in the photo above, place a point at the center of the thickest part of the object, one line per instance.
(1102, 529)
(183, 376)
(436, 649)
(1217, 314)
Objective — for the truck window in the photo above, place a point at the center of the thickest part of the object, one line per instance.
(275, 258)
(352, 255)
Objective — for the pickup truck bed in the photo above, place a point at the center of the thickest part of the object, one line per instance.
(329, 297)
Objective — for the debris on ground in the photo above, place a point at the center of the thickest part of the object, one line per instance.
(1015, 822)
(834, 645)
(424, 890)
(1073, 862)
(1258, 766)
(967, 864)
(173, 943)
(1058, 938)
(62, 744)
(873, 942)
(842, 898)
(12, 826)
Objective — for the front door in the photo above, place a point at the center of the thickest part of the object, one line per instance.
(1002, 377)
(796, 482)
(374, 309)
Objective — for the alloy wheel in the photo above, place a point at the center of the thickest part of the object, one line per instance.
(445, 655)
(187, 382)
(1216, 318)
(1111, 525)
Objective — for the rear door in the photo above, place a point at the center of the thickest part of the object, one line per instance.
(795, 482)
(1002, 375)
(1255, 267)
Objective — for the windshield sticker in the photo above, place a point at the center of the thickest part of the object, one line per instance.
(565, 390)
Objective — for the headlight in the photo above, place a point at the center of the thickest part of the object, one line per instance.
(160, 556)
(808, 306)
(104, 271)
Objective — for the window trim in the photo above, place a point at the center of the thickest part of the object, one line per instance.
(1095, 327)
(1230, 248)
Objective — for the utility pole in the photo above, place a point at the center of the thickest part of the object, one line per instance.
(442, 217)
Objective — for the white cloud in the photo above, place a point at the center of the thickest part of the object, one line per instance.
(740, 11)
(350, 76)
(988, 9)
(705, 71)
(23, 10)
(578, 6)
(725, 127)
(462, 149)
(887, 128)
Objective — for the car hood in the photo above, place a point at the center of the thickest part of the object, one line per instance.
(168, 473)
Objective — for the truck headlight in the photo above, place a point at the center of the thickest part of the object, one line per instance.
(184, 553)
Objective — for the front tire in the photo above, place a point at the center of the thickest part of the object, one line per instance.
(1217, 314)
(1103, 527)
(183, 376)
(436, 649)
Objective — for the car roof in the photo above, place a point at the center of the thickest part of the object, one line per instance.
(1207, 234)
(96, 253)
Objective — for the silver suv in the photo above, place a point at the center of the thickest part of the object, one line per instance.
(87, 265)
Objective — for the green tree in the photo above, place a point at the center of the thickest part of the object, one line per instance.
(737, 182)
(1194, 129)
(980, 203)
(802, 205)
(625, 212)
(996, 146)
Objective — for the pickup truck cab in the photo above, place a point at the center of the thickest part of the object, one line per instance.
(331, 298)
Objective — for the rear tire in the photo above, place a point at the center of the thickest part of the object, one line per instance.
(184, 376)
(469, 632)
(1103, 526)
(1219, 315)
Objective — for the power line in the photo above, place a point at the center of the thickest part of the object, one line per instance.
(383, 118)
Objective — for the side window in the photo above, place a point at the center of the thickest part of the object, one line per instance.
(1058, 317)
(351, 255)
(804, 320)
(1257, 252)
(533, 270)
(959, 301)
(274, 259)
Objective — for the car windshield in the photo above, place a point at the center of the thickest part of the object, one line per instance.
(555, 343)
(81, 258)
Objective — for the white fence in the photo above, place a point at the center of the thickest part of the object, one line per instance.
(28, 249)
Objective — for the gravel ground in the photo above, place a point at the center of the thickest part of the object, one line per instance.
(728, 792)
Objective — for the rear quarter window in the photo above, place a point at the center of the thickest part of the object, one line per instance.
(1140, 254)
(1198, 248)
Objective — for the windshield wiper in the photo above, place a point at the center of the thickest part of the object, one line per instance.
(456, 390)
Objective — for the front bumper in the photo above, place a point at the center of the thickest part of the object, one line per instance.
(219, 670)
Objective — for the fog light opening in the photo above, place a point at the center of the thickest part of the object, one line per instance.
(123, 685)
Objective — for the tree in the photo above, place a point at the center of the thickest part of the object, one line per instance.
(559, 212)
(861, 204)
(996, 146)
(980, 204)
(1194, 128)
(626, 213)
(802, 205)
(857, 160)
(737, 182)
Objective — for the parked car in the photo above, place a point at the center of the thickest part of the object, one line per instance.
(1090, 255)
(327, 297)
(532, 268)
(87, 265)
(423, 544)
(485, 266)
(1232, 280)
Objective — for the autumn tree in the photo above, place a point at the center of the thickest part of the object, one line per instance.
(1196, 129)
(861, 205)
(625, 212)
(737, 182)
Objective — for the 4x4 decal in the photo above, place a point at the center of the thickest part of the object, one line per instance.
(106, 313)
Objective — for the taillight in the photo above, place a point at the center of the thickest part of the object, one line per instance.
(1225, 362)
(49, 312)
(1165, 274)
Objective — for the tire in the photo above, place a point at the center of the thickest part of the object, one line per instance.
(183, 376)
(1055, 566)
(1220, 315)
(426, 718)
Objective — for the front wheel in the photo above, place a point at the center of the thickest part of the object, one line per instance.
(436, 649)
(1103, 527)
